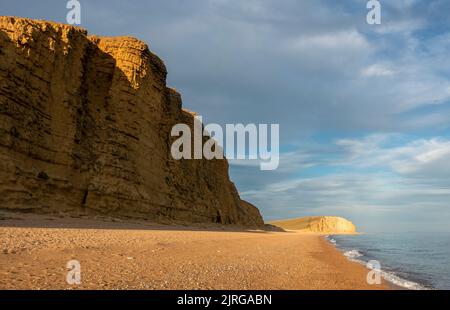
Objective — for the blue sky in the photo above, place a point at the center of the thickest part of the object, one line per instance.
(363, 110)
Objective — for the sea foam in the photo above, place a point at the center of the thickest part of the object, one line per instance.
(355, 255)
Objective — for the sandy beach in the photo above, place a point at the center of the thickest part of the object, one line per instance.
(119, 255)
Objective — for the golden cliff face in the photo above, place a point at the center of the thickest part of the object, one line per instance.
(318, 224)
(85, 127)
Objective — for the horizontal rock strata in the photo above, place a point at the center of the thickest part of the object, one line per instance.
(85, 126)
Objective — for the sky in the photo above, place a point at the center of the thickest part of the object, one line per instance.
(364, 110)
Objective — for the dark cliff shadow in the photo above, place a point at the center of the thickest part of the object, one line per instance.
(17, 219)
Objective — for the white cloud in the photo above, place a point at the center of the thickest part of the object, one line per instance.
(330, 41)
(396, 26)
(377, 70)
(422, 158)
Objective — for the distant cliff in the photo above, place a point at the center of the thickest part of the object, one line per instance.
(318, 224)
(85, 127)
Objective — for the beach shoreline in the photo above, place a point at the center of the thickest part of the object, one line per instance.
(139, 255)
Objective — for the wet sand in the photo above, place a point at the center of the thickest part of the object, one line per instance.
(118, 255)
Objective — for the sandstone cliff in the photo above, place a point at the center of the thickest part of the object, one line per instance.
(318, 224)
(85, 127)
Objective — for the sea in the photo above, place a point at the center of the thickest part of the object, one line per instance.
(416, 261)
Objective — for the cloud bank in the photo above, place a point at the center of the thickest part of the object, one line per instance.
(364, 111)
